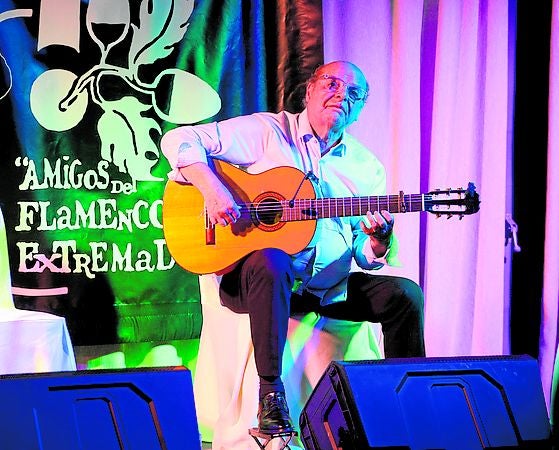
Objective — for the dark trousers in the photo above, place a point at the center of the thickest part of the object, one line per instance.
(261, 283)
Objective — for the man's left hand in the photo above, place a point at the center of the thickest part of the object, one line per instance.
(379, 229)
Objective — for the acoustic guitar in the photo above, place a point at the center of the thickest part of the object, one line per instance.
(279, 209)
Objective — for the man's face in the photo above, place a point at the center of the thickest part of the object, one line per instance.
(336, 97)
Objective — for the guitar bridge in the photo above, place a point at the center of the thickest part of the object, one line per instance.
(210, 230)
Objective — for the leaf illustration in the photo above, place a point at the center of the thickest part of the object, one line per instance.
(162, 24)
(126, 140)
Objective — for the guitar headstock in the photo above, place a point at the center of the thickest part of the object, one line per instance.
(453, 202)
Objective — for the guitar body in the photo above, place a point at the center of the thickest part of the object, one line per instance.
(278, 210)
(215, 250)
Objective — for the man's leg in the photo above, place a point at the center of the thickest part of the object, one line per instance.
(260, 285)
(394, 302)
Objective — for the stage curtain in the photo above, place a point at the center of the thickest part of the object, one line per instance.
(439, 116)
(550, 300)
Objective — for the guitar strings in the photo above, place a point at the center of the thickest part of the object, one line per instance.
(341, 201)
(306, 209)
(349, 202)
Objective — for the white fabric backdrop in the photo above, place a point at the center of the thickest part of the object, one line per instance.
(548, 339)
(439, 115)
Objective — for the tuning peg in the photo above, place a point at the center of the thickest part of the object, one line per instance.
(461, 216)
(438, 215)
(448, 216)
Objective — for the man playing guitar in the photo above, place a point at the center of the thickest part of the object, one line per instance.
(269, 282)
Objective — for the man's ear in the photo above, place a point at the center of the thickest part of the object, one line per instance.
(308, 92)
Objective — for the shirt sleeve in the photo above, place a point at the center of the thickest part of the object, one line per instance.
(389, 258)
(239, 140)
(366, 258)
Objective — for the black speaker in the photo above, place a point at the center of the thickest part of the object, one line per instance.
(99, 409)
(427, 403)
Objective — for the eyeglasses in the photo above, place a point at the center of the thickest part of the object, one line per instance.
(334, 84)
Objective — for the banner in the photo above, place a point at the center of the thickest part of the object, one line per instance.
(88, 89)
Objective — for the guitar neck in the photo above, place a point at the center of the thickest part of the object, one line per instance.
(311, 209)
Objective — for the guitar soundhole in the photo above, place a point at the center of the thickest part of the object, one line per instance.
(268, 212)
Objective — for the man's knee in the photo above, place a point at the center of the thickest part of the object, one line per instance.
(271, 262)
(411, 293)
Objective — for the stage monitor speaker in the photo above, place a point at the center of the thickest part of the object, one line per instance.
(130, 409)
(427, 403)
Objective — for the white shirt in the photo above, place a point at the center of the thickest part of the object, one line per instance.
(263, 141)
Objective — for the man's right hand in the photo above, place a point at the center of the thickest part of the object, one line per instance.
(220, 204)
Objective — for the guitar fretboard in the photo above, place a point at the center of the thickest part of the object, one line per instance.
(306, 209)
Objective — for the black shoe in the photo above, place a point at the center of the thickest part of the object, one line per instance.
(273, 414)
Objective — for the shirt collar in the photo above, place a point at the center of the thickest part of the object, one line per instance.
(340, 149)
(305, 129)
